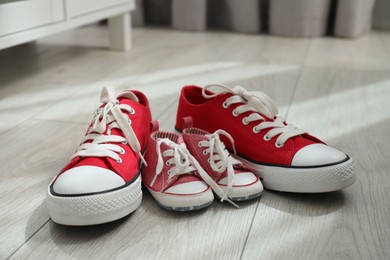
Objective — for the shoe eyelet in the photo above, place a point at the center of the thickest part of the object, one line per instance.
(119, 160)
(124, 142)
(244, 121)
(225, 105)
(266, 138)
(167, 163)
(129, 121)
(132, 111)
(165, 154)
(254, 129)
(205, 152)
(208, 160)
(278, 145)
(200, 144)
(122, 151)
(234, 113)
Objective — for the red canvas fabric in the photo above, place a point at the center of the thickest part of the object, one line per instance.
(192, 141)
(161, 184)
(210, 115)
(129, 167)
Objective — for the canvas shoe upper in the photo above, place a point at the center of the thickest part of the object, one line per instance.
(102, 183)
(284, 156)
(172, 174)
(236, 180)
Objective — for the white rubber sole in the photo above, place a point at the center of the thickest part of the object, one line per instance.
(242, 193)
(183, 202)
(305, 180)
(94, 209)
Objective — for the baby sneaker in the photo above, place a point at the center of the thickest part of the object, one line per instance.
(172, 174)
(102, 182)
(229, 174)
(284, 157)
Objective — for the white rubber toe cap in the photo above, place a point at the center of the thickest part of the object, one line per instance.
(243, 178)
(86, 179)
(186, 188)
(317, 154)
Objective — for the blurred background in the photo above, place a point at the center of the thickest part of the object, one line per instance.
(297, 18)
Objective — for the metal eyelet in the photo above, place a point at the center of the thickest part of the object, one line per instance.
(225, 105)
(234, 113)
(167, 163)
(200, 144)
(165, 154)
(205, 152)
(124, 142)
(266, 138)
(254, 129)
(119, 160)
(208, 160)
(132, 111)
(122, 151)
(278, 145)
(244, 121)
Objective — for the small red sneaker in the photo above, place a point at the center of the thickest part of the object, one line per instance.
(172, 175)
(285, 157)
(102, 181)
(232, 176)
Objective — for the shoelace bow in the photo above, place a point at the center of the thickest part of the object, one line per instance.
(261, 104)
(110, 115)
(183, 163)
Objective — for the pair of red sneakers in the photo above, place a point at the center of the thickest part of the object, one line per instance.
(184, 170)
(102, 182)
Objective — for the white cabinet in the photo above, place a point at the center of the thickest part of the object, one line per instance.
(23, 15)
(76, 7)
(27, 20)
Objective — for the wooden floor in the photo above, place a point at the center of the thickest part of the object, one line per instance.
(336, 89)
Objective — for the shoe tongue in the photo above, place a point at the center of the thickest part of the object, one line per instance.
(128, 98)
(128, 95)
(180, 140)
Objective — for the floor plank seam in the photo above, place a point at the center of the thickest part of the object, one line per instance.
(249, 230)
(28, 239)
(298, 80)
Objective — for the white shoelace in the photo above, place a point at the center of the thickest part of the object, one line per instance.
(110, 115)
(180, 160)
(260, 104)
(220, 159)
(183, 162)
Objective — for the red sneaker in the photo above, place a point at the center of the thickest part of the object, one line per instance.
(236, 180)
(102, 181)
(172, 175)
(285, 157)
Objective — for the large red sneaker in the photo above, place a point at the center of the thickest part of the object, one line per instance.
(236, 181)
(102, 181)
(172, 175)
(284, 157)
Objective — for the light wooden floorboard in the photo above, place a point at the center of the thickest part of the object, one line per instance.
(366, 51)
(30, 154)
(348, 107)
(337, 89)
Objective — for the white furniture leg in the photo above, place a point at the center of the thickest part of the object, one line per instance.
(119, 29)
